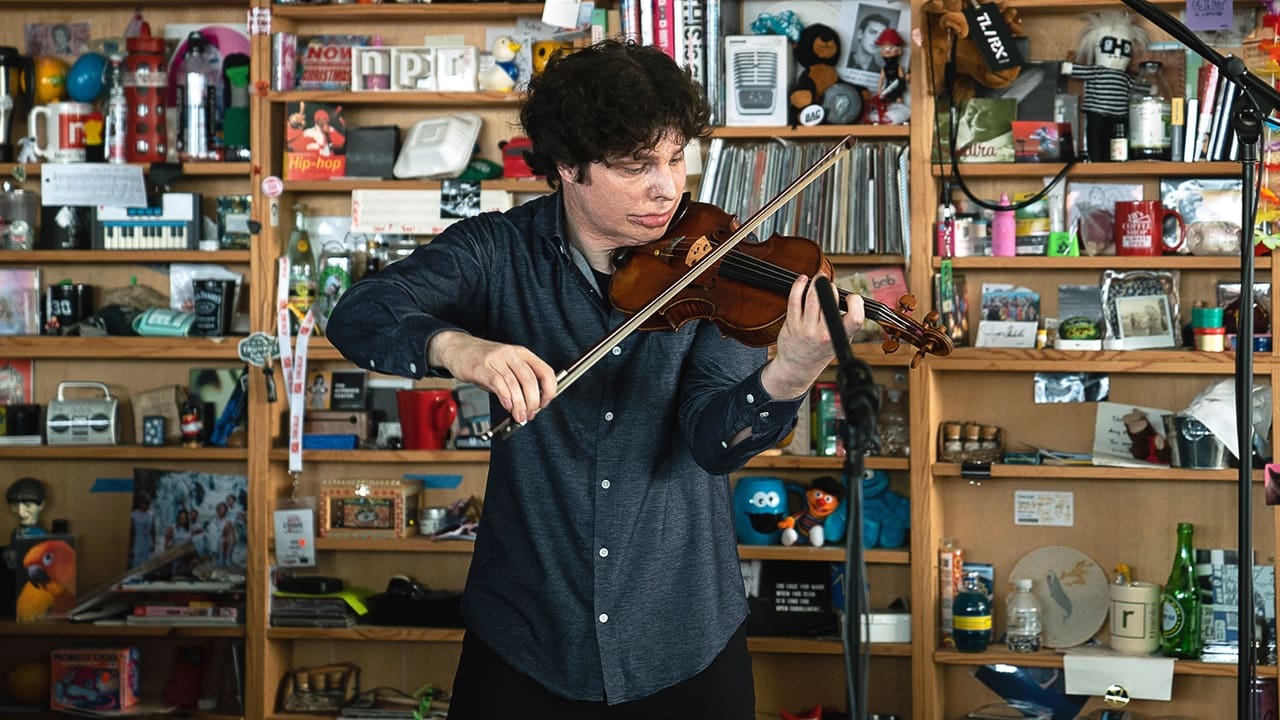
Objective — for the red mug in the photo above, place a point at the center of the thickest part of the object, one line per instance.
(1139, 228)
(425, 417)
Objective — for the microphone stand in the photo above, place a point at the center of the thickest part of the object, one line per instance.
(1259, 100)
(860, 402)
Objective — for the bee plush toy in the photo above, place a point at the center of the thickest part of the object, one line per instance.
(821, 499)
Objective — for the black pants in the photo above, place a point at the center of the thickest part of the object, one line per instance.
(487, 688)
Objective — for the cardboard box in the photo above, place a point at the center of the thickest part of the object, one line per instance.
(757, 74)
(98, 679)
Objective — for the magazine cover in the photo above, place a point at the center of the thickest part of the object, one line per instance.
(46, 576)
(17, 381)
(174, 507)
(315, 141)
(20, 301)
(324, 61)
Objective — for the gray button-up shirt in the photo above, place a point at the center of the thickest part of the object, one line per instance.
(606, 565)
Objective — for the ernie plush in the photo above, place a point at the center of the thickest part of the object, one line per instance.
(821, 499)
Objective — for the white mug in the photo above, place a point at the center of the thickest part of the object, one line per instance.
(64, 131)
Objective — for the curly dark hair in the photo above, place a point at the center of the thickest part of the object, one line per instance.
(611, 99)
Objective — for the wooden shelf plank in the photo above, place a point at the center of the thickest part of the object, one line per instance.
(821, 646)
(121, 452)
(1130, 169)
(421, 544)
(1174, 361)
(773, 461)
(1053, 659)
(1104, 262)
(813, 132)
(368, 632)
(480, 98)
(121, 257)
(191, 169)
(120, 347)
(66, 628)
(1090, 472)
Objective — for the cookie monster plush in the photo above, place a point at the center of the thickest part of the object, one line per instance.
(886, 515)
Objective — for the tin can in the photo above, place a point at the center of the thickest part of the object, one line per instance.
(431, 520)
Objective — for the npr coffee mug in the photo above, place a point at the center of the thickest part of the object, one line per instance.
(1139, 228)
(63, 130)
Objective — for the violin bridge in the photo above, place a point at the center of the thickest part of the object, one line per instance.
(698, 249)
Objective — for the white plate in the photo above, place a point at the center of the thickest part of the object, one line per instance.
(1072, 590)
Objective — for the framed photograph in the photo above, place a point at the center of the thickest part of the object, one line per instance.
(363, 508)
(862, 63)
(175, 507)
(1140, 308)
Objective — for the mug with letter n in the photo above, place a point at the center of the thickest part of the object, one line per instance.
(63, 132)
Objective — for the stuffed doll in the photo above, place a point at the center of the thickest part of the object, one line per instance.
(817, 51)
(1106, 46)
(887, 107)
(946, 26)
(886, 515)
(821, 499)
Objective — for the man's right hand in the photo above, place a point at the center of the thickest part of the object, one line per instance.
(521, 381)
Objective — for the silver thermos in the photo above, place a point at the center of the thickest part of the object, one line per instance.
(17, 89)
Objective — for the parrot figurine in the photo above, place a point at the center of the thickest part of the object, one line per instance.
(51, 581)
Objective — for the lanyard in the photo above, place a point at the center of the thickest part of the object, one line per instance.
(293, 364)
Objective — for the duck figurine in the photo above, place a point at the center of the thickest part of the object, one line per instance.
(502, 75)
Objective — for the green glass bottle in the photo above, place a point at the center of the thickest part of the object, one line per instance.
(1181, 606)
(302, 268)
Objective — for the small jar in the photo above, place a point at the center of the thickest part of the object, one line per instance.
(990, 437)
(972, 437)
(951, 438)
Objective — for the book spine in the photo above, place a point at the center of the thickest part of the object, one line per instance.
(599, 25)
(284, 61)
(646, 21)
(664, 26)
(714, 59)
(695, 37)
(180, 611)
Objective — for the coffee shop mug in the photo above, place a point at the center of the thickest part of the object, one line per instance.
(1139, 228)
(63, 130)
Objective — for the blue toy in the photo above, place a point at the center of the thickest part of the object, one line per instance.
(886, 515)
(759, 504)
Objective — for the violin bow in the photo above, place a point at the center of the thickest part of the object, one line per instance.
(574, 372)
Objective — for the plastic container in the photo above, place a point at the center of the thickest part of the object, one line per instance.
(1003, 232)
(1023, 630)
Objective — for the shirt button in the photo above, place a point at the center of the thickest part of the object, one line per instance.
(751, 398)
(604, 552)
(413, 367)
(617, 350)
(604, 617)
(608, 417)
(605, 484)
(764, 414)
(373, 363)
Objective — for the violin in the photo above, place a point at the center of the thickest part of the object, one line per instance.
(745, 293)
(696, 271)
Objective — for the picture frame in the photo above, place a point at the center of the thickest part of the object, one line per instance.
(362, 508)
(1125, 294)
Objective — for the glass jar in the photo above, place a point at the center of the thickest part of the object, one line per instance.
(1150, 113)
(971, 615)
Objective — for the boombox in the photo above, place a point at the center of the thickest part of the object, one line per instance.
(83, 421)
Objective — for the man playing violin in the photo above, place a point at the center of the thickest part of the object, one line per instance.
(605, 579)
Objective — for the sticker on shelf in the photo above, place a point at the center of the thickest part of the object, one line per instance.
(1045, 508)
(272, 186)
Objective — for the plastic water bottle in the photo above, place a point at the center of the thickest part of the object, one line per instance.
(1023, 627)
(1003, 230)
